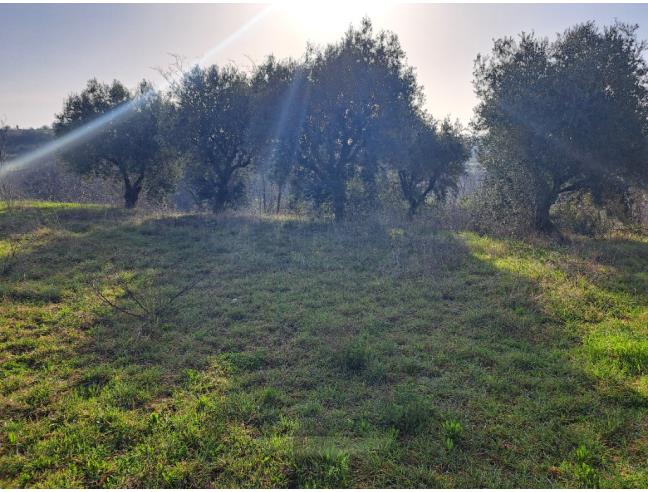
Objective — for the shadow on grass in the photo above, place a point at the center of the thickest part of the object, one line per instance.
(335, 353)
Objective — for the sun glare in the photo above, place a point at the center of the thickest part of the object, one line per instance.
(323, 21)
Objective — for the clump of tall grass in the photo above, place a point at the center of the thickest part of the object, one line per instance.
(408, 412)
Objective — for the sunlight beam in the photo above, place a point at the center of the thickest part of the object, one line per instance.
(92, 128)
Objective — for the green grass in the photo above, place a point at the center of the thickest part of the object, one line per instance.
(315, 355)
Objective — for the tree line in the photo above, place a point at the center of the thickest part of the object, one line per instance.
(346, 123)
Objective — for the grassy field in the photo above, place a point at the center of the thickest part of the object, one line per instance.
(315, 355)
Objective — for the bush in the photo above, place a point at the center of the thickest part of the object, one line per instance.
(579, 214)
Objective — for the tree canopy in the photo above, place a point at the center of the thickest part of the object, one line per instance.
(280, 92)
(213, 119)
(361, 88)
(565, 115)
(433, 161)
(345, 124)
(131, 147)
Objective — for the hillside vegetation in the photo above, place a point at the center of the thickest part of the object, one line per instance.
(141, 350)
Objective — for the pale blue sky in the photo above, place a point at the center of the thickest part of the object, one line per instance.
(48, 51)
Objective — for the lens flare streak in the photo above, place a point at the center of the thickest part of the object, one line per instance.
(94, 127)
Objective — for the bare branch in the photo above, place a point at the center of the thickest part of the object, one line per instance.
(113, 305)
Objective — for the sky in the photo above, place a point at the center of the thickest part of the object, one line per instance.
(48, 51)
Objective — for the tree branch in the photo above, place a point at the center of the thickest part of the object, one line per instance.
(113, 305)
(573, 187)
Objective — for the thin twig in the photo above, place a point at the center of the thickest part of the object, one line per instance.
(115, 306)
(186, 289)
(132, 295)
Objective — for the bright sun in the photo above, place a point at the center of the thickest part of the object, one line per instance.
(322, 21)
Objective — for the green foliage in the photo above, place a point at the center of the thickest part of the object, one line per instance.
(134, 145)
(587, 476)
(322, 469)
(452, 431)
(212, 122)
(408, 412)
(12, 438)
(583, 471)
(577, 212)
(562, 116)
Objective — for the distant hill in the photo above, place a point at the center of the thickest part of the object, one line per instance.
(23, 140)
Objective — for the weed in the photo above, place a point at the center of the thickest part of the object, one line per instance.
(582, 454)
(38, 397)
(94, 381)
(583, 471)
(154, 419)
(151, 305)
(12, 438)
(452, 431)
(127, 395)
(377, 372)
(409, 412)
(587, 476)
(355, 356)
(325, 468)
(203, 403)
(271, 397)
(247, 361)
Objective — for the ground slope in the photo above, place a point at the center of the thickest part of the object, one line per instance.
(312, 354)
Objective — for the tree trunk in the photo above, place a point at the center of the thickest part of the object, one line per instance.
(263, 195)
(339, 207)
(131, 195)
(542, 219)
(221, 195)
(413, 207)
(219, 201)
(279, 199)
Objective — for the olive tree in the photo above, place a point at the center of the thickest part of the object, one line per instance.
(432, 162)
(358, 90)
(564, 116)
(129, 145)
(280, 93)
(212, 123)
